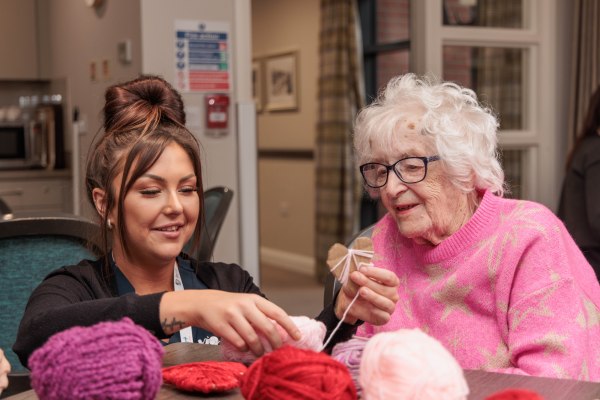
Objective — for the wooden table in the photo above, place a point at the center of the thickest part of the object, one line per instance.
(481, 384)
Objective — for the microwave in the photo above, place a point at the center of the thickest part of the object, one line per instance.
(33, 141)
(22, 144)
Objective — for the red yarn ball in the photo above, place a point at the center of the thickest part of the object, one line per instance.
(515, 394)
(296, 374)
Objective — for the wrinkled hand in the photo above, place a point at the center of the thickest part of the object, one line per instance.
(4, 370)
(378, 294)
(238, 318)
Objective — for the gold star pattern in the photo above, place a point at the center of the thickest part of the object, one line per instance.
(456, 342)
(553, 343)
(435, 273)
(405, 303)
(584, 375)
(453, 296)
(580, 319)
(560, 371)
(499, 359)
(593, 316)
(540, 309)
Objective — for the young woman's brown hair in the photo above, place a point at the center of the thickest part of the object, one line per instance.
(141, 118)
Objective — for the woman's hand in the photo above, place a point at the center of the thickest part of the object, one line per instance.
(238, 318)
(378, 294)
(4, 370)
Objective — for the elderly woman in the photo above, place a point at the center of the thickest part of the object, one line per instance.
(499, 282)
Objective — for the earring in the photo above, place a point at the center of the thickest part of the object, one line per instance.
(109, 224)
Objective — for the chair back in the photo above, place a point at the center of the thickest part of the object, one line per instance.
(5, 210)
(30, 248)
(216, 204)
(332, 286)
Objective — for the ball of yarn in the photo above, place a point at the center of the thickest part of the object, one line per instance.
(291, 373)
(515, 394)
(109, 360)
(408, 364)
(349, 353)
(313, 334)
(205, 376)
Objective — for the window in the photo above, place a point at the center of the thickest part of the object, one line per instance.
(385, 26)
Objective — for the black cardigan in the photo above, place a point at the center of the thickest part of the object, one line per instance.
(81, 295)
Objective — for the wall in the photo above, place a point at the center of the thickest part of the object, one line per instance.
(18, 45)
(71, 37)
(286, 185)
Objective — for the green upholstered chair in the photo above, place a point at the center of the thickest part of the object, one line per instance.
(216, 204)
(30, 248)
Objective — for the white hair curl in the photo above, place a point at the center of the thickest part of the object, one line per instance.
(463, 131)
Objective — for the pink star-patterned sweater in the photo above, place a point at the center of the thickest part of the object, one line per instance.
(508, 292)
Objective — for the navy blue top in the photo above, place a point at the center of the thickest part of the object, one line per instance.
(190, 281)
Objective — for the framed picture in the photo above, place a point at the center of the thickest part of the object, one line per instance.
(257, 84)
(281, 82)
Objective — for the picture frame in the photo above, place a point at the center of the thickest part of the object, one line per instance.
(281, 81)
(257, 86)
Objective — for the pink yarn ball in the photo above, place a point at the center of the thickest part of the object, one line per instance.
(409, 365)
(109, 360)
(313, 335)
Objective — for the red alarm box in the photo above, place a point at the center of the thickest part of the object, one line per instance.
(217, 111)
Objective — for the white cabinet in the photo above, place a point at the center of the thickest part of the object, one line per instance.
(18, 39)
(37, 190)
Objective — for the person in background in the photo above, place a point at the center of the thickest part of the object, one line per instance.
(4, 371)
(144, 179)
(580, 200)
(499, 282)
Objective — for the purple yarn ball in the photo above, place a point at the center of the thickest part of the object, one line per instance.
(349, 353)
(109, 360)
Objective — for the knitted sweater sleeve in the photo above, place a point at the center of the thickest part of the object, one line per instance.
(547, 304)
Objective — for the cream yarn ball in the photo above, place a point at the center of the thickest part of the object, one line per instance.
(313, 334)
(410, 365)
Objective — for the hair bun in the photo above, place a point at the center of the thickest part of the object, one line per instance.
(146, 101)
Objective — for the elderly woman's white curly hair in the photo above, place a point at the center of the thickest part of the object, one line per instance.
(463, 131)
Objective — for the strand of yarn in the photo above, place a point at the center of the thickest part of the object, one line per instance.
(313, 334)
(108, 360)
(347, 259)
(349, 353)
(409, 365)
(289, 373)
(344, 276)
(340, 322)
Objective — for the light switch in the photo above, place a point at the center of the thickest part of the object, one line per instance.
(124, 51)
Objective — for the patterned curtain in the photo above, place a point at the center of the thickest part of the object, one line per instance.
(585, 66)
(340, 95)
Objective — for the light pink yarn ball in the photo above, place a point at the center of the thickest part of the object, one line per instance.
(409, 365)
(313, 335)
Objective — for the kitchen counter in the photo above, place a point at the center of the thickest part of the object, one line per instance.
(37, 190)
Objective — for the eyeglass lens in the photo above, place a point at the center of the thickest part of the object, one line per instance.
(409, 170)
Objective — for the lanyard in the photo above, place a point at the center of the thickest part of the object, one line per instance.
(185, 333)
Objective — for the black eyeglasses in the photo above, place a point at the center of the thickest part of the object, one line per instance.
(408, 170)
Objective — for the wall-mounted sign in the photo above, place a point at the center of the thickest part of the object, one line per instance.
(202, 58)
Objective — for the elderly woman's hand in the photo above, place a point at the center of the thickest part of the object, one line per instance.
(378, 294)
(4, 370)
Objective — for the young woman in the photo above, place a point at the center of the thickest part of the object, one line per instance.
(144, 179)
